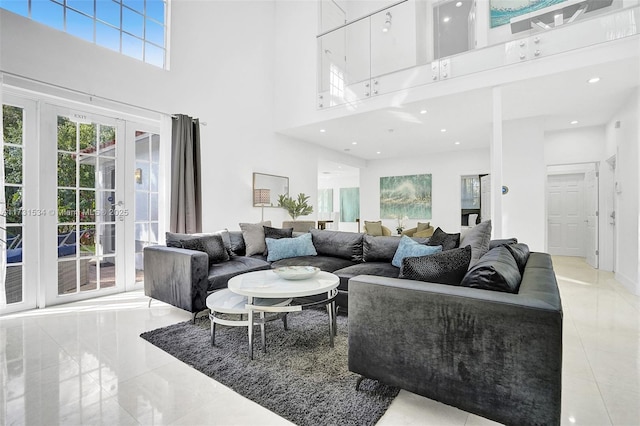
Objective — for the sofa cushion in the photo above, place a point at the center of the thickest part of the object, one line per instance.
(345, 245)
(253, 234)
(423, 226)
(373, 228)
(447, 241)
(220, 273)
(325, 263)
(382, 249)
(237, 243)
(380, 269)
(497, 270)
(409, 247)
(520, 253)
(213, 245)
(502, 242)
(447, 267)
(478, 238)
(284, 248)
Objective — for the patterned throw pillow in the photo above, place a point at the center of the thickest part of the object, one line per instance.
(447, 241)
(276, 234)
(409, 247)
(447, 267)
(284, 248)
(213, 245)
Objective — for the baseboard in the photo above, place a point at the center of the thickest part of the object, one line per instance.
(628, 283)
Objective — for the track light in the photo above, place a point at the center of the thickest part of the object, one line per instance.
(387, 23)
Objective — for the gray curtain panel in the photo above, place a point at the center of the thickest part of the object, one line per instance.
(186, 198)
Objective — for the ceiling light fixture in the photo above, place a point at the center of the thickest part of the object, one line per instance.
(377, 152)
(424, 111)
(459, 4)
(354, 143)
(457, 142)
(322, 130)
(446, 19)
(593, 80)
(443, 130)
(574, 122)
(387, 23)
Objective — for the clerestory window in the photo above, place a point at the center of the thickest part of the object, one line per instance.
(136, 28)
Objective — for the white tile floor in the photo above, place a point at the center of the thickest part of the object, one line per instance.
(84, 363)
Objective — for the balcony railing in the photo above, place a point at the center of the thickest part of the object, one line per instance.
(396, 48)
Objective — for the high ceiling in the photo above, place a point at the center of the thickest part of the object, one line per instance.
(467, 117)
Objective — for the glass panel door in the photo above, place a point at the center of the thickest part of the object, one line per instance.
(88, 204)
(146, 178)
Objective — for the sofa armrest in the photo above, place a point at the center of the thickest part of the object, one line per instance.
(176, 276)
(494, 354)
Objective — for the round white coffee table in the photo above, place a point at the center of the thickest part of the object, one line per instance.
(268, 284)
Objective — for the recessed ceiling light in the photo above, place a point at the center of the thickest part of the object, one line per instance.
(593, 80)
(354, 143)
(459, 4)
(377, 152)
(446, 19)
(574, 122)
(424, 111)
(443, 130)
(322, 130)
(457, 142)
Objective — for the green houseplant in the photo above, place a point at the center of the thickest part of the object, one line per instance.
(295, 207)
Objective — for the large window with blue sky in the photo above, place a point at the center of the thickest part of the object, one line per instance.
(135, 28)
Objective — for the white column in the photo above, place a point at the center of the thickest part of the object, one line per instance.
(496, 164)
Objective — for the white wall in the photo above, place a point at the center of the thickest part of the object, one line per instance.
(445, 169)
(524, 172)
(223, 73)
(626, 139)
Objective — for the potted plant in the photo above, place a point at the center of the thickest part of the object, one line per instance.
(295, 207)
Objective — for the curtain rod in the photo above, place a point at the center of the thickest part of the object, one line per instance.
(91, 96)
(173, 116)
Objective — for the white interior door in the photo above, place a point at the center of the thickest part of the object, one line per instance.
(591, 211)
(566, 218)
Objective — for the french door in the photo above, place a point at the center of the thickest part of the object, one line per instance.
(83, 197)
(82, 159)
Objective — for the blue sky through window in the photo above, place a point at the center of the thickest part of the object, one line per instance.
(134, 28)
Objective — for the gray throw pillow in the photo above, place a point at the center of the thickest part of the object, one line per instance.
(213, 245)
(441, 238)
(447, 267)
(253, 234)
(478, 238)
(497, 270)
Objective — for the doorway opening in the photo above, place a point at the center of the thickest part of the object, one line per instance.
(338, 196)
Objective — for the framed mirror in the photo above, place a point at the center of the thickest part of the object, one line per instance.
(267, 189)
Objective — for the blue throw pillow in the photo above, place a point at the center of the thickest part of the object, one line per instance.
(290, 247)
(409, 247)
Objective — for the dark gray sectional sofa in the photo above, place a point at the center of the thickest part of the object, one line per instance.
(495, 354)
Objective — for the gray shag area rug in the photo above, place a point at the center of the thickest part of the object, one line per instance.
(300, 378)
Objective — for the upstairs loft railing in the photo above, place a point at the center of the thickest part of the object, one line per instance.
(395, 48)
